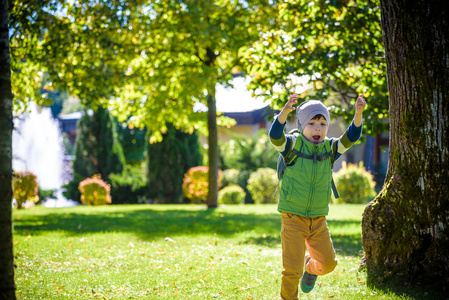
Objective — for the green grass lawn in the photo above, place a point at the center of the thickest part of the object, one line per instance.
(172, 252)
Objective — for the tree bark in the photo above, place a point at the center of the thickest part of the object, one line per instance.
(213, 149)
(7, 287)
(405, 229)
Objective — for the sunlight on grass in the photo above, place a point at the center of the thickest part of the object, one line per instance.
(172, 252)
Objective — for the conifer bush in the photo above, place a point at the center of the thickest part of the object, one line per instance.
(196, 184)
(231, 194)
(97, 150)
(168, 161)
(94, 191)
(262, 184)
(25, 187)
(130, 185)
(354, 184)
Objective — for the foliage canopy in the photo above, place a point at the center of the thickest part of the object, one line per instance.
(337, 45)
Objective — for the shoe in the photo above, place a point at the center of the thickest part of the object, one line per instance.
(308, 280)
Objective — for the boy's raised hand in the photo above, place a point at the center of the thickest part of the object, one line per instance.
(282, 117)
(291, 101)
(360, 105)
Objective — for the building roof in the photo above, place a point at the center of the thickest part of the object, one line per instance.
(250, 117)
(68, 122)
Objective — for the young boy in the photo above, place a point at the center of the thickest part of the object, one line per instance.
(306, 191)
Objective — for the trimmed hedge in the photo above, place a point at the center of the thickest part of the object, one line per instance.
(231, 194)
(262, 184)
(354, 184)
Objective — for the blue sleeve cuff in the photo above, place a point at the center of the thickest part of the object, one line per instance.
(354, 133)
(277, 129)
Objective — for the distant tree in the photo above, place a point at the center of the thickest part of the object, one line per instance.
(97, 150)
(7, 287)
(406, 228)
(133, 141)
(169, 160)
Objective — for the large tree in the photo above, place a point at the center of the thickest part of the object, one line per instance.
(7, 287)
(76, 46)
(183, 50)
(406, 228)
(158, 58)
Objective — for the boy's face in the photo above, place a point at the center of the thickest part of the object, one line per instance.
(316, 130)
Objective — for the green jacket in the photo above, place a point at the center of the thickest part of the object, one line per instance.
(306, 185)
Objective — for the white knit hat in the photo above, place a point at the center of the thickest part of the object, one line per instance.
(309, 109)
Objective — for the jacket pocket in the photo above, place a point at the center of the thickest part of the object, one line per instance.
(286, 189)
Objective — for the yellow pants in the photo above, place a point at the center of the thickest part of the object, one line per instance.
(298, 232)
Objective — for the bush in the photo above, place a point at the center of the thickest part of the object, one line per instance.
(231, 194)
(262, 184)
(45, 195)
(25, 188)
(70, 189)
(94, 191)
(230, 177)
(354, 184)
(248, 154)
(196, 184)
(97, 150)
(128, 186)
(234, 176)
(168, 161)
(133, 141)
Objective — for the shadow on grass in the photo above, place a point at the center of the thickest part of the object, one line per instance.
(146, 223)
(416, 292)
(344, 243)
(150, 224)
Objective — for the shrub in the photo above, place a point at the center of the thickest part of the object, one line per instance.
(234, 176)
(133, 141)
(230, 177)
(47, 194)
(248, 154)
(25, 188)
(94, 191)
(196, 184)
(262, 184)
(130, 185)
(354, 184)
(168, 161)
(97, 150)
(231, 194)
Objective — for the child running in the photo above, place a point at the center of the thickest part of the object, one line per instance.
(306, 190)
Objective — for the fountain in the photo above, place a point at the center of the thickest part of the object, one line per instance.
(37, 147)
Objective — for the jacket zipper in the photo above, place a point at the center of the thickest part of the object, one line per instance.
(312, 184)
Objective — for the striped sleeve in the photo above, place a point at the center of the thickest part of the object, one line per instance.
(343, 143)
(280, 141)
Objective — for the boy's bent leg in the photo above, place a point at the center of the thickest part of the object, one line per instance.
(321, 249)
(293, 250)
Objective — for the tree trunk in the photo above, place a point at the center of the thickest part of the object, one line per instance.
(7, 287)
(213, 149)
(405, 229)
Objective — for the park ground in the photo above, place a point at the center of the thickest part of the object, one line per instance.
(174, 252)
